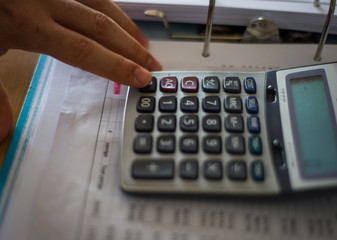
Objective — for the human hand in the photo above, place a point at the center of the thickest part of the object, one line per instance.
(6, 116)
(94, 35)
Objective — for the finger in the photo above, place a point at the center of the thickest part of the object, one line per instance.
(105, 31)
(80, 51)
(6, 116)
(111, 9)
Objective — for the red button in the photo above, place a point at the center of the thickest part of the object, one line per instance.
(189, 84)
(169, 84)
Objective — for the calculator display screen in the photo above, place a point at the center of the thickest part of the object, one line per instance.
(314, 125)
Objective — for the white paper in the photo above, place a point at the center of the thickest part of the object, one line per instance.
(73, 191)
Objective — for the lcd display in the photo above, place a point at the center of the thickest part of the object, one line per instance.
(314, 126)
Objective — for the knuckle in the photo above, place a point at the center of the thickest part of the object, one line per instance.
(81, 48)
(100, 22)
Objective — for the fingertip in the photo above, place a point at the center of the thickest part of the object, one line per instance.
(154, 65)
(143, 77)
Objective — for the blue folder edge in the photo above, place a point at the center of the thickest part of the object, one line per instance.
(20, 126)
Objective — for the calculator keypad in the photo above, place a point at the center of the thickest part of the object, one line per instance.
(192, 135)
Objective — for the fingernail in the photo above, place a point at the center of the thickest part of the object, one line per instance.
(143, 76)
(143, 40)
(154, 65)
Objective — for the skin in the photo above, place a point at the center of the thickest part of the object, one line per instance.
(94, 35)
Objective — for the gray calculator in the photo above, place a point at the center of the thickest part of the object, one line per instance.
(238, 133)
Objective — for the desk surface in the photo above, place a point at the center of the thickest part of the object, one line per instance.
(16, 71)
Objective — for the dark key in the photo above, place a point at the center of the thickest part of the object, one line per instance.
(255, 145)
(144, 123)
(169, 84)
(257, 170)
(213, 169)
(151, 88)
(153, 169)
(212, 144)
(189, 123)
(167, 123)
(189, 144)
(211, 123)
(211, 104)
(232, 85)
(235, 144)
(189, 104)
(237, 170)
(211, 84)
(233, 104)
(142, 144)
(252, 105)
(250, 85)
(189, 169)
(168, 104)
(253, 123)
(166, 144)
(234, 123)
(146, 104)
(189, 84)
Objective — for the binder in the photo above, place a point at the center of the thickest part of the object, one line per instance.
(301, 15)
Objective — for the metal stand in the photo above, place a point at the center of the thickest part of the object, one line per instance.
(209, 24)
(325, 31)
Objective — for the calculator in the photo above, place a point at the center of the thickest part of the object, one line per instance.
(237, 133)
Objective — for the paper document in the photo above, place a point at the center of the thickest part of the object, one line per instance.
(64, 180)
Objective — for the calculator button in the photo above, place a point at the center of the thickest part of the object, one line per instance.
(189, 104)
(237, 170)
(142, 144)
(167, 123)
(166, 144)
(255, 145)
(144, 123)
(189, 84)
(146, 104)
(257, 169)
(252, 105)
(211, 123)
(250, 85)
(151, 88)
(189, 169)
(253, 123)
(232, 85)
(212, 144)
(189, 144)
(213, 169)
(211, 104)
(211, 84)
(235, 144)
(234, 123)
(233, 104)
(189, 123)
(168, 104)
(153, 169)
(169, 84)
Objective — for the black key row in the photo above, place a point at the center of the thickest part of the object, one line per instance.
(210, 84)
(190, 104)
(234, 144)
(189, 169)
(190, 123)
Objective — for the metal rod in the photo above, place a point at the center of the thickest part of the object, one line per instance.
(209, 25)
(325, 30)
